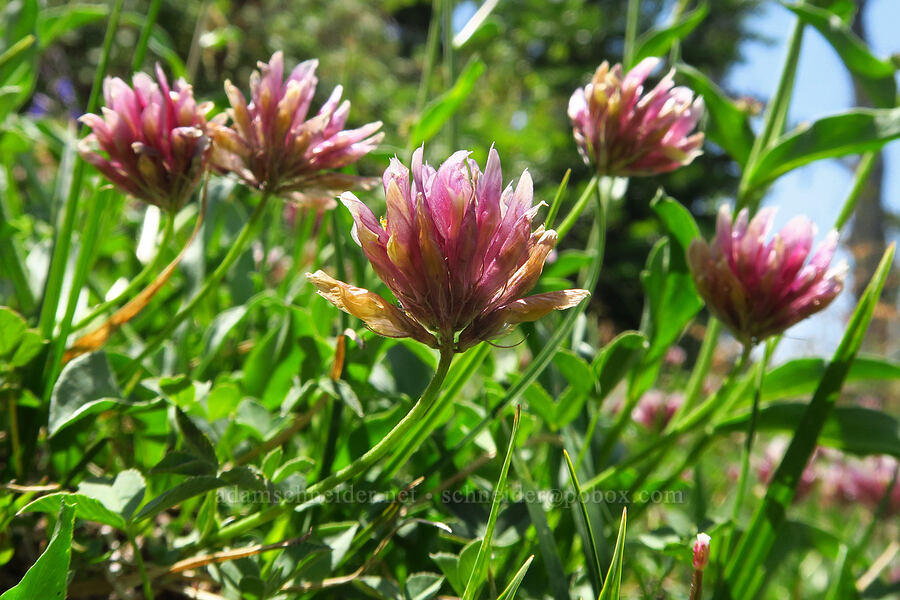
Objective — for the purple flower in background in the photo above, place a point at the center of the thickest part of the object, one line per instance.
(759, 289)
(152, 139)
(656, 409)
(623, 132)
(273, 146)
(456, 249)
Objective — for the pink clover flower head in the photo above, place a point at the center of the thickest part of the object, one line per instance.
(457, 251)
(622, 131)
(759, 288)
(274, 145)
(151, 140)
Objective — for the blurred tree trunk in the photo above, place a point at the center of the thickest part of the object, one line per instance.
(868, 236)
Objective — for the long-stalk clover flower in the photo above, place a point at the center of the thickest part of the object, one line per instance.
(272, 145)
(152, 139)
(457, 251)
(757, 288)
(623, 132)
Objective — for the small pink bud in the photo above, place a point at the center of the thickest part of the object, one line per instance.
(622, 131)
(759, 288)
(457, 251)
(273, 145)
(701, 551)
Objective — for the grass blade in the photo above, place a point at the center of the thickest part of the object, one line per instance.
(593, 560)
(510, 592)
(613, 584)
(479, 571)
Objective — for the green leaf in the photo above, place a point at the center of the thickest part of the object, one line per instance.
(184, 463)
(85, 386)
(47, 578)
(510, 592)
(13, 328)
(614, 361)
(657, 42)
(728, 126)
(122, 496)
(613, 583)
(852, 132)
(195, 440)
(480, 568)
(576, 371)
(194, 486)
(449, 565)
(29, 346)
(799, 377)
(874, 75)
(422, 586)
(86, 508)
(851, 429)
(756, 543)
(444, 106)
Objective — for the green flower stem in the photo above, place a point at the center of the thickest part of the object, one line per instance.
(63, 242)
(449, 67)
(142, 569)
(557, 200)
(579, 207)
(358, 466)
(140, 51)
(133, 285)
(631, 26)
(741, 491)
(775, 118)
(701, 367)
(860, 178)
(237, 248)
(431, 50)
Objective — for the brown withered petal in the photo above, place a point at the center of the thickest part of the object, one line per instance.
(378, 314)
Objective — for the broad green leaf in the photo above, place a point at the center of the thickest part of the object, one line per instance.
(193, 486)
(29, 346)
(756, 543)
(449, 565)
(851, 429)
(576, 371)
(875, 75)
(85, 386)
(853, 132)
(122, 496)
(422, 586)
(613, 362)
(86, 508)
(444, 106)
(657, 42)
(510, 592)
(480, 568)
(195, 440)
(340, 390)
(47, 578)
(613, 583)
(799, 377)
(13, 328)
(728, 126)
